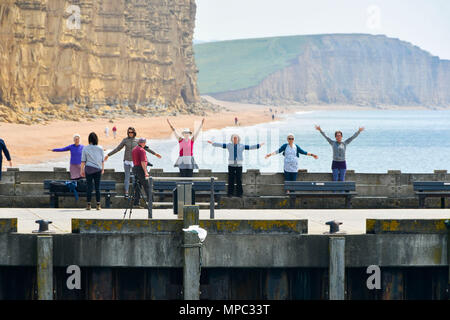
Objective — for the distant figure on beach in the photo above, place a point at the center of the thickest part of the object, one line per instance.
(235, 121)
(130, 142)
(114, 130)
(107, 131)
(339, 165)
(76, 150)
(4, 150)
(273, 116)
(92, 167)
(291, 153)
(235, 158)
(186, 162)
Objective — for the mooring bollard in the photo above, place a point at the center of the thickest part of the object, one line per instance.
(337, 268)
(192, 247)
(45, 267)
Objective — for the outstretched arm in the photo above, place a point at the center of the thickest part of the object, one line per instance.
(324, 135)
(256, 146)
(282, 148)
(61, 149)
(173, 130)
(117, 149)
(354, 136)
(198, 130)
(218, 145)
(146, 148)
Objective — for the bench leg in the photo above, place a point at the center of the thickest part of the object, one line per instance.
(108, 201)
(52, 201)
(442, 203)
(218, 201)
(421, 202)
(292, 202)
(348, 202)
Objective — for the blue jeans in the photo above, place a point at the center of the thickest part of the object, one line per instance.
(339, 174)
(290, 176)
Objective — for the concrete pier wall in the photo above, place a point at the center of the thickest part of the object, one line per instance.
(262, 260)
(382, 190)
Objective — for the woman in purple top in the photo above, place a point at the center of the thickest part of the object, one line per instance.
(76, 150)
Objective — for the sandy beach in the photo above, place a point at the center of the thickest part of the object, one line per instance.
(32, 144)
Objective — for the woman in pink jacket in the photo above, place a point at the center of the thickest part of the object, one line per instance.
(186, 162)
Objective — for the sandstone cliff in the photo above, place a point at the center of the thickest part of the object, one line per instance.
(127, 56)
(353, 69)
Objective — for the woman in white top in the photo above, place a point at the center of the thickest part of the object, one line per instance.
(92, 167)
(291, 153)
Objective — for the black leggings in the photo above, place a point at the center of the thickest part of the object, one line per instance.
(95, 177)
(235, 174)
(186, 172)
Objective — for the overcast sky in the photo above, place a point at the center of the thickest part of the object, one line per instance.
(425, 23)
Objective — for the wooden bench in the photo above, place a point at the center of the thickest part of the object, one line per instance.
(107, 190)
(425, 189)
(215, 191)
(328, 189)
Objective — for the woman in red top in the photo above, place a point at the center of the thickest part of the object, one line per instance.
(186, 162)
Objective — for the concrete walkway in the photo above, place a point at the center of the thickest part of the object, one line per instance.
(354, 220)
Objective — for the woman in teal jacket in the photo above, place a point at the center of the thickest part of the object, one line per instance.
(291, 153)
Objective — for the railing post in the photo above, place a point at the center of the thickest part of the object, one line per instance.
(212, 200)
(184, 196)
(447, 224)
(45, 267)
(337, 268)
(150, 197)
(191, 264)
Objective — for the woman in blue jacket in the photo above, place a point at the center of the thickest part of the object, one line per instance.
(291, 153)
(4, 150)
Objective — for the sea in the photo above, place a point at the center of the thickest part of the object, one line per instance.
(413, 141)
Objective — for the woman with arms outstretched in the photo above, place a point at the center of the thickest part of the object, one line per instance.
(76, 150)
(291, 153)
(235, 159)
(339, 165)
(186, 162)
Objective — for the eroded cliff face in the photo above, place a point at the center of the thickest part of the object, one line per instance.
(127, 56)
(355, 69)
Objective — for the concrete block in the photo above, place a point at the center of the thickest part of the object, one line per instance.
(405, 226)
(8, 225)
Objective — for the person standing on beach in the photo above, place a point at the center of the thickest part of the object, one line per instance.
(76, 150)
(235, 121)
(130, 142)
(114, 130)
(4, 150)
(291, 153)
(92, 167)
(235, 158)
(186, 162)
(339, 165)
(106, 131)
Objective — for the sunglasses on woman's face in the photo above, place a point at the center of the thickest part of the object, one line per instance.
(130, 132)
(290, 138)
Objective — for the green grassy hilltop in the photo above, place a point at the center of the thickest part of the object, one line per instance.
(238, 64)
